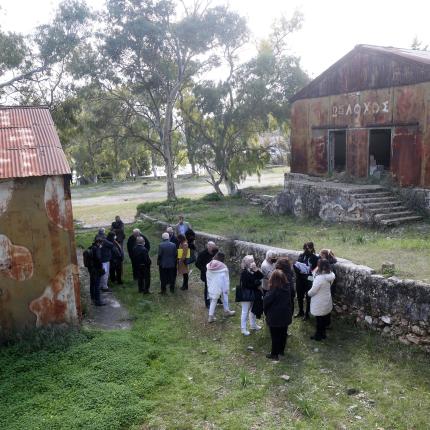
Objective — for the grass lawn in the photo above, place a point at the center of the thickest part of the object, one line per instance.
(408, 247)
(172, 370)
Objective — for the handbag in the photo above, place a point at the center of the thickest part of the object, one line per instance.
(244, 294)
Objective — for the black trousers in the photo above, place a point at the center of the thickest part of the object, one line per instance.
(167, 277)
(279, 339)
(303, 286)
(115, 271)
(322, 322)
(207, 300)
(184, 281)
(95, 288)
(143, 279)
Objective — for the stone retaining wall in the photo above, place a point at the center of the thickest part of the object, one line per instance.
(304, 196)
(395, 307)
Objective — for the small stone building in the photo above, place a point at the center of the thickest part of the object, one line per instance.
(367, 114)
(39, 283)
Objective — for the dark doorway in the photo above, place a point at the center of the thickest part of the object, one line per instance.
(379, 150)
(337, 158)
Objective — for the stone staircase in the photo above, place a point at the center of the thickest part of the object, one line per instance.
(383, 207)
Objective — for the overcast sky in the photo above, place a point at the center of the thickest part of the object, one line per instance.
(331, 27)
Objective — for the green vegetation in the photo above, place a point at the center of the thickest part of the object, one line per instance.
(407, 247)
(174, 371)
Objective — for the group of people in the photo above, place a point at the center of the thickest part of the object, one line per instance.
(269, 290)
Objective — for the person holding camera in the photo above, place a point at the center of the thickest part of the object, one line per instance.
(249, 294)
(267, 267)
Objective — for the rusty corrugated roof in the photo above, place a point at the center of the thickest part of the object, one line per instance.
(29, 144)
(369, 67)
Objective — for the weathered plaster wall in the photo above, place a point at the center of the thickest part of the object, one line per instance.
(39, 282)
(395, 307)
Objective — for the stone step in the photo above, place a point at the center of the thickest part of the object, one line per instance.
(365, 190)
(401, 220)
(372, 195)
(386, 209)
(378, 199)
(393, 215)
(377, 205)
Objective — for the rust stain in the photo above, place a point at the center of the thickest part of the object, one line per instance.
(319, 152)
(16, 262)
(58, 302)
(406, 160)
(57, 203)
(357, 152)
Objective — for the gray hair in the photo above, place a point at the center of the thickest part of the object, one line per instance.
(270, 254)
(136, 231)
(140, 240)
(165, 236)
(210, 245)
(247, 261)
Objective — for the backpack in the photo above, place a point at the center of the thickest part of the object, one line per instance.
(88, 257)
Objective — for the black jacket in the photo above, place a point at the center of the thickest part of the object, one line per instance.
(106, 251)
(131, 243)
(167, 255)
(203, 259)
(96, 268)
(174, 240)
(309, 259)
(141, 257)
(118, 228)
(117, 253)
(278, 307)
(251, 280)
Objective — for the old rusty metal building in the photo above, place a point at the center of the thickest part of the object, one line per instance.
(39, 283)
(367, 113)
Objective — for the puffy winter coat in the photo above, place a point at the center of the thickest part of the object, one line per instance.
(278, 306)
(218, 279)
(321, 303)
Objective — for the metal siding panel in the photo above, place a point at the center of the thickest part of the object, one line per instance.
(357, 152)
(406, 161)
(409, 104)
(318, 162)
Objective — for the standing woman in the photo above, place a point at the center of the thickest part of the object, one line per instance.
(278, 310)
(321, 303)
(328, 255)
(284, 265)
(183, 258)
(250, 293)
(304, 277)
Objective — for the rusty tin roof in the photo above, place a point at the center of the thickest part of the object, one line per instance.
(370, 67)
(29, 144)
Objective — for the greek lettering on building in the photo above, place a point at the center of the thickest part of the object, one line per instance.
(357, 109)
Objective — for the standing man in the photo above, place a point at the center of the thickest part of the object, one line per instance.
(166, 260)
(131, 243)
(95, 268)
(142, 263)
(172, 236)
(106, 257)
(202, 261)
(118, 228)
(182, 226)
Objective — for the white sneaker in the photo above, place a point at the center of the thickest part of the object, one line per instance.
(211, 319)
(246, 332)
(256, 327)
(229, 313)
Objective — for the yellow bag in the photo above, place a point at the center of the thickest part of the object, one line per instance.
(181, 251)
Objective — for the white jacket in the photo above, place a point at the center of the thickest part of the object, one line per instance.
(217, 278)
(321, 303)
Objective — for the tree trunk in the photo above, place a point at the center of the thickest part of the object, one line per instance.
(193, 168)
(218, 190)
(153, 166)
(167, 150)
(231, 187)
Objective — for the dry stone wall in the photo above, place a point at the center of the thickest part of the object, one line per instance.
(398, 308)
